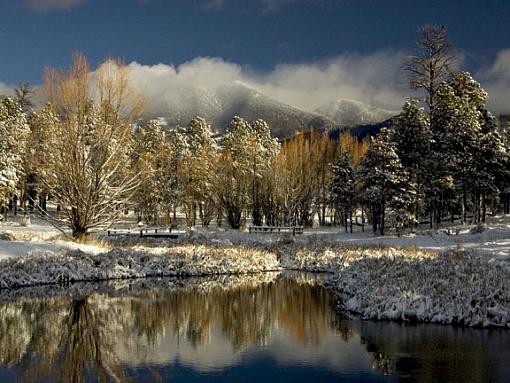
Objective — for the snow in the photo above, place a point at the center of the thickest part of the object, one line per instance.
(67, 266)
(428, 277)
(453, 287)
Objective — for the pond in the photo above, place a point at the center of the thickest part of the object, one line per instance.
(274, 327)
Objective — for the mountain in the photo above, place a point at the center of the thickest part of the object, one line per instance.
(363, 130)
(236, 99)
(218, 107)
(349, 113)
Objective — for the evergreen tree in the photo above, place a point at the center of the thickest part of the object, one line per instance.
(491, 164)
(413, 140)
(246, 154)
(431, 64)
(235, 170)
(197, 173)
(261, 151)
(343, 192)
(385, 183)
(457, 129)
(14, 132)
(150, 156)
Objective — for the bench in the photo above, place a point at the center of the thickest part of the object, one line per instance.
(276, 229)
(145, 232)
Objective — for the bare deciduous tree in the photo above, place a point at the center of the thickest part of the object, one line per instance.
(91, 136)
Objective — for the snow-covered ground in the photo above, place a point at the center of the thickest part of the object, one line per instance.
(460, 277)
(452, 287)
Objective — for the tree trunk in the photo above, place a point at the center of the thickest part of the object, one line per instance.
(15, 203)
(79, 229)
(484, 207)
(362, 219)
(383, 213)
(463, 208)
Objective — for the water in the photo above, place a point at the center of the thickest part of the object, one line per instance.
(269, 327)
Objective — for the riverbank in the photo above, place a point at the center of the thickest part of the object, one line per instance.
(449, 285)
(68, 266)
(453, 287)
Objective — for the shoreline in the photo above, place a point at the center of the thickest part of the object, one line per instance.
(408, 284)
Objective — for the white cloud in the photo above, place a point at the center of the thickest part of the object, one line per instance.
(48, 5)
(6, 90)
(374, 79)
(495, 79)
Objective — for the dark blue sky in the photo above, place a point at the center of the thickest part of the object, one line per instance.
(254, 33)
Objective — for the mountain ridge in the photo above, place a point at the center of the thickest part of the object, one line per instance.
(238, 99)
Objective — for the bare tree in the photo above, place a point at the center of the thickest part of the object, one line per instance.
(431, 63)
(24, 93)
(87, 157)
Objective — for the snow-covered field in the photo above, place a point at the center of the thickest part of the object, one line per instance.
(458, 278)
(452, 287)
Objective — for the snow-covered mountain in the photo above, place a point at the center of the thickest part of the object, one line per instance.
(220, 105)
(353, 113)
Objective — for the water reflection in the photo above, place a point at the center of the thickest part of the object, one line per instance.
(268, 325)
(204, 323)
(433, 353)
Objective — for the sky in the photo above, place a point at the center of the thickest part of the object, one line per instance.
(303, 52)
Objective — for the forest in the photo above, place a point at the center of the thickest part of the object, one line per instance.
(445, 157)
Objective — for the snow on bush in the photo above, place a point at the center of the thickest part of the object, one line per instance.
(454, 287)
(75, 265)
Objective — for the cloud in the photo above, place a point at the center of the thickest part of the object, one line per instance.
(495, 79)
(49, 5)
(374, 79)
(6, 90)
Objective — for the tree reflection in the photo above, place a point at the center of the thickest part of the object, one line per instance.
(85, 346)
(434, 353)
(67, 340)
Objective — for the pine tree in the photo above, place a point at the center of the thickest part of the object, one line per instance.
(385, 183)
(457, 129)
(150, 155)
(491, 164)
(235, 170)
(343, 191)
(262, 149)
(197, 173)
(431, 65)
(14, 132)
(247, 152)
(413, 140)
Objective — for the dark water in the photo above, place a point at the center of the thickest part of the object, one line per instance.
(247, 329)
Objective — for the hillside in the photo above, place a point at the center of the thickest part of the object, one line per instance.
(353, 113)
(218, 108)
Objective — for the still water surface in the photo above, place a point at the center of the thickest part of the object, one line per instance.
(274, 328)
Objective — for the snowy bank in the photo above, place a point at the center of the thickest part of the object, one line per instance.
(406, 284)
(454, 287)
(68, 266)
